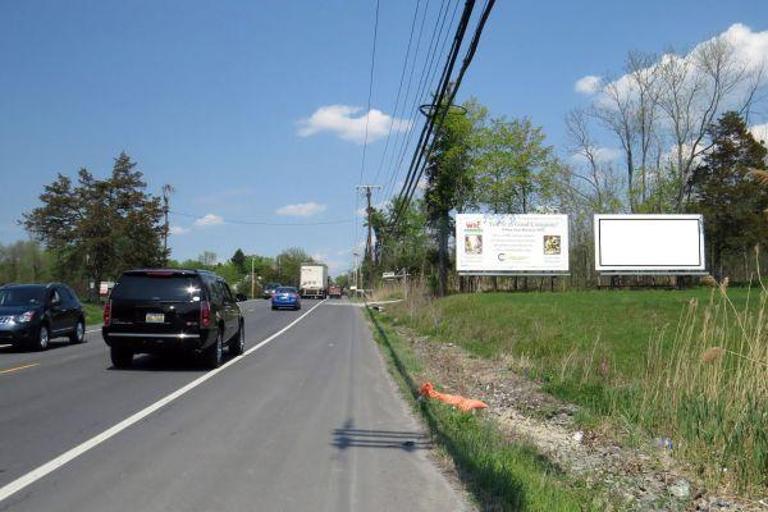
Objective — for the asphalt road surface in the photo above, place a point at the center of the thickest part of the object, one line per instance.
(307, 420)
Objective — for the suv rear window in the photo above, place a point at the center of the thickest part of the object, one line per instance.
(176, 288)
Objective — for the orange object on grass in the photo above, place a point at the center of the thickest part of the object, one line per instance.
(463, 404)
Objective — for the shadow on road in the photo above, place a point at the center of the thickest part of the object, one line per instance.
(166, 363)
(344, 438)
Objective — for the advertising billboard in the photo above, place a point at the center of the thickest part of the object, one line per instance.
(649, 243)
(508, 244)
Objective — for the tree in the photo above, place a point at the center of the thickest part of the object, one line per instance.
(238, 260)
(207, 259)
(449, 182)
(97, 228)
(511, 165)
(725, 190)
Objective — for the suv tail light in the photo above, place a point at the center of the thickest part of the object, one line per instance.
(107, 313)
(205, 314)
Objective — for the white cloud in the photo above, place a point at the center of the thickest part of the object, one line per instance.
(209, 219)
(750, 53)
(341, 121)
(760, 132)
(588, 85)
(178, 230)
(301, 209)
(602, 155)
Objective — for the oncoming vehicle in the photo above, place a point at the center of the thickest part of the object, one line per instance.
(167, 310)
(286, 297)
(269, 289)
(31, 315)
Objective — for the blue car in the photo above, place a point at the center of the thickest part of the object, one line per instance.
(286, 297)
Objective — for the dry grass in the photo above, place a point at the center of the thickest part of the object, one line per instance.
(710, 390)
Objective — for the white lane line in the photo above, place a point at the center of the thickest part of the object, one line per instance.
(52, 465)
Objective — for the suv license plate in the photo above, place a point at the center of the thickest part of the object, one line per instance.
(155, 318)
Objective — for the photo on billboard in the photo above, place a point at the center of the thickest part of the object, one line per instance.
(506, 244)
(643, 243)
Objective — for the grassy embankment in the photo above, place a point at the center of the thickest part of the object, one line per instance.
(93, 313)
(501, 476)
(690, 365)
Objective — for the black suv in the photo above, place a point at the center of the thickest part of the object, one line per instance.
(33, 314)
(152, 311)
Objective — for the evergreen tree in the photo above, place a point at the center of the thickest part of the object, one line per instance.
(726, 192)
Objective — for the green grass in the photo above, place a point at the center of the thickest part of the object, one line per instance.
(643, 360)
(93, 313)
(582, 344)
(500, 475)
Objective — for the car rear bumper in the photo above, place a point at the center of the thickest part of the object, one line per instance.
(285, 304)
(148, 342)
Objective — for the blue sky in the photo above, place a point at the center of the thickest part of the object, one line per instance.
(210, 97)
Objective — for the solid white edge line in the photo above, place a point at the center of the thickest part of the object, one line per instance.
(52, 465)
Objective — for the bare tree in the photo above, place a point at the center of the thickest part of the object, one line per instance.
(696, 89)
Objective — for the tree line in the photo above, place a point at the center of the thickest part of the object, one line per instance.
(681, 126)
(90, 229)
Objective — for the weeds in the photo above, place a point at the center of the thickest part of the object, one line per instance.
(690, 365)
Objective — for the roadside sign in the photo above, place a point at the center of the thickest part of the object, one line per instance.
(105, 286)
(388, 275)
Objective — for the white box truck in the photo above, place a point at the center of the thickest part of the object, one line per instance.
(314, 281)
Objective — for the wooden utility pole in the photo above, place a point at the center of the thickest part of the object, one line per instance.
(369, 239)
(167, 191)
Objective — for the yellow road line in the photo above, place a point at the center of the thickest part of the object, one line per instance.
(16, 369)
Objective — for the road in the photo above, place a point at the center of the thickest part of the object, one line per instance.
(307, 420)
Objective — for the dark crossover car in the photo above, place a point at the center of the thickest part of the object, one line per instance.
(31, 315)
(169, 310)
(286, 297)
(269, 289)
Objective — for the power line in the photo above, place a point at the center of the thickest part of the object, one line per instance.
(370, 89)
(368, 110)
(395, 109)
(397, 162)
(437, 100)
(264, 223)
(471, 50)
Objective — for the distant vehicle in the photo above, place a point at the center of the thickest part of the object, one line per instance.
(269, 289)
(166, 310)
(31, 315)
(335, 291)
(314, 281)
(286, 297)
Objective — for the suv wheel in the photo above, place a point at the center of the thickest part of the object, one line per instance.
(78, 335)
(121, 357)
(213, 355)
(237, 344)
(43, 337)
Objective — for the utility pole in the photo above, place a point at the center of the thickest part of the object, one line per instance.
(368, 212)
(167, 191)
(253, 278)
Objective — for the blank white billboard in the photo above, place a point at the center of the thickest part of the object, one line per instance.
(488, 243)
(644, 243)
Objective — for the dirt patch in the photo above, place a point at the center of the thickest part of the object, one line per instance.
(645, 477)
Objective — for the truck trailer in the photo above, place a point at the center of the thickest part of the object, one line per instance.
(314, 281)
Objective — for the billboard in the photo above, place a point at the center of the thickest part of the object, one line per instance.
(508, 244)
(649, 243)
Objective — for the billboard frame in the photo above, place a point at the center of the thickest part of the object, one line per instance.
(536, 272)
(635, 269)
